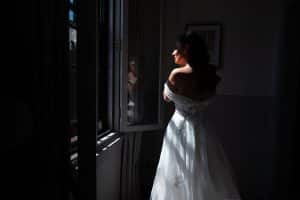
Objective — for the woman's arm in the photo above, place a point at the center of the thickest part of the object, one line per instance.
(173, 83)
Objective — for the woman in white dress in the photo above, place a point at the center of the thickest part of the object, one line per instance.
(192, 163)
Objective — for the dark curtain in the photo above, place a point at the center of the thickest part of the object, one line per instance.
(35, 151)
(130, 185)
(286, 176)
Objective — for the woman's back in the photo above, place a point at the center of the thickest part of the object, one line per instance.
(191, 84)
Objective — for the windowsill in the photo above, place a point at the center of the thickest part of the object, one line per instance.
(107, 140)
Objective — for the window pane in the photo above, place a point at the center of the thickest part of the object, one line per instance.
(143, 62)
(72, 45)
(71, 16)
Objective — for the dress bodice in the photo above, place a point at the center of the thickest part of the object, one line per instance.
(184, 104)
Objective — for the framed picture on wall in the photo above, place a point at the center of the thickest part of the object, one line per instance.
(211, 34)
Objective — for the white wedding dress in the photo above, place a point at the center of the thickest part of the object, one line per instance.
(192, 163)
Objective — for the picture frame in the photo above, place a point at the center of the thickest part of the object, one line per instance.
(211, 34)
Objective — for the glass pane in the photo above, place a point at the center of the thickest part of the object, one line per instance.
(71, 16)
(143, 62)
(72, 45)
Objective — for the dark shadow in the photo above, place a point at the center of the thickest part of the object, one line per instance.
(288, 125)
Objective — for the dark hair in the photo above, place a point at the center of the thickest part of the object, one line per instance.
(192, 46)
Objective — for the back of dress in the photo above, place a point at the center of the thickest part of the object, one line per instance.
(185, 105)
(192, 163)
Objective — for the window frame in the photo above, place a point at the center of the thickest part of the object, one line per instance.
(116, 22)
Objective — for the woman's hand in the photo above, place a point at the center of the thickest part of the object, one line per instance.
(166, 97)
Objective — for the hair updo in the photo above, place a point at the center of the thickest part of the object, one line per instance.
(193, 48)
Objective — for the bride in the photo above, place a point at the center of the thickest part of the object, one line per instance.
(192, 163)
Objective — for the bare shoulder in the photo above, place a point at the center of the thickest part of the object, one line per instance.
(176, 80)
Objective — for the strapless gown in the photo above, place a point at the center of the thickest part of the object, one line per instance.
(192, 164)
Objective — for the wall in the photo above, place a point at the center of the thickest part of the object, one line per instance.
(109, 172)
(250, 39)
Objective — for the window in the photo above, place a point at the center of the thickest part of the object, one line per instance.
(141, 65)
(129, 73)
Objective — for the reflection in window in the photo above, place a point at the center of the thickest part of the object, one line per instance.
(143, 62)
(132, 112)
